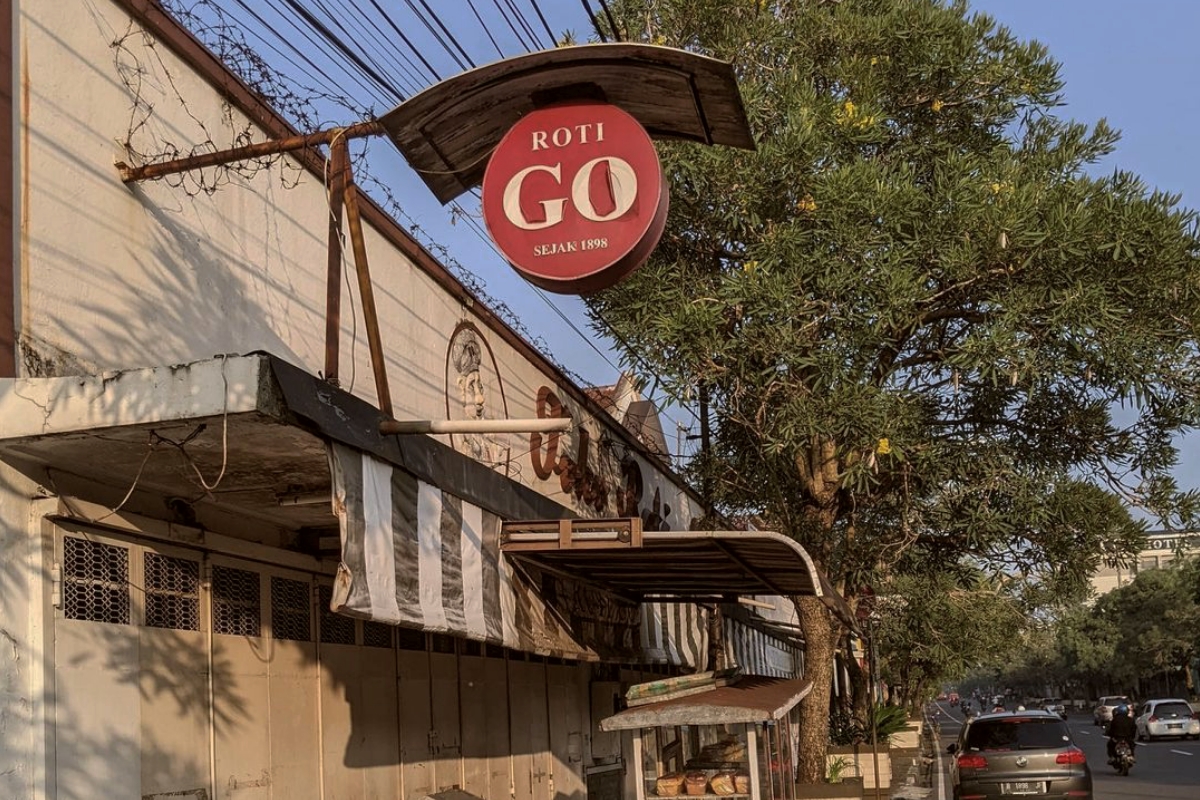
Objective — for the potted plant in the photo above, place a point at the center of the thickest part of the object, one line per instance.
(836, 769)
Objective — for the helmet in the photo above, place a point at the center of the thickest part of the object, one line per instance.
(1121, 709)
(1020, 708)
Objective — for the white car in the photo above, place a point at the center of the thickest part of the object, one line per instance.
(1103, 712)
(1167, 717)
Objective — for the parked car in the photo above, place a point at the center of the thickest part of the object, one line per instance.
(1054, 705)
(1167, 717)
(1102, 713)
(1018, 753)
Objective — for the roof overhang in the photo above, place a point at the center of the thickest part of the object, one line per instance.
(165, 432)
(683, 566)
(448, 131)
(254, 428)
(751, 700)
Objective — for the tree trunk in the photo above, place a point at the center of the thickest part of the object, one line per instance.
(860, 699)
(821, 634)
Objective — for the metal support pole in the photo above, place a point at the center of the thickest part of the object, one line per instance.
(367, 293)
(339, 162)
(257, 150)
(874, 702)
(394, 427)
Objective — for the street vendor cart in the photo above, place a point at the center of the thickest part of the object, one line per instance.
(735, 741)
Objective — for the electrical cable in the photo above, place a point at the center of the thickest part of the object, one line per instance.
(449, 35)
(392, 24)
(595, 22)
(549, 33)
(525, 26)
(612, 22)
(383, 46)
(486, 29)
(511, 26)
(268, 27)
(343, 48)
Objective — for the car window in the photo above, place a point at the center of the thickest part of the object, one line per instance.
(1017, 734)
(1173, 710)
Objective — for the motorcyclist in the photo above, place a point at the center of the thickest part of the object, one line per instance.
(1121, 727)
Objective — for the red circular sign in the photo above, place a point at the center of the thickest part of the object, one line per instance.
(574, 196)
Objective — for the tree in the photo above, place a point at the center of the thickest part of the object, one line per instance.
(932, 629)
(1156, 619)
(912, 307)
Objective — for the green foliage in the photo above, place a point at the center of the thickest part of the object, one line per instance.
(889, 720)
(1134, 634)
(836, 769)
(933, 628)
(915, 306)
(845, 730)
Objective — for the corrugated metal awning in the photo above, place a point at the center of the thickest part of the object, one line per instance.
(752, 699)
(448, 131)
(616, 555)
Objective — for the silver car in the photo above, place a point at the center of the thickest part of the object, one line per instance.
(1167, 717)
(1018, 753)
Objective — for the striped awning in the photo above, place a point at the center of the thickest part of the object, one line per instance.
(417, 556)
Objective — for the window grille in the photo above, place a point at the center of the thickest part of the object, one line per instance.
(291, 609)
(335, 628)
(237, 605)
(410, 639)
(172, 592)
(441, 643)
(95, 581)
(377, 634)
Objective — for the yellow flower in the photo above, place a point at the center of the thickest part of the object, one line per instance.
(884, 447)
(936, 106)
(750, 266)
(874, 60)
(806, 204)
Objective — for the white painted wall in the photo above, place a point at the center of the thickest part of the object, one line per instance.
(116, 277)
(24, 568)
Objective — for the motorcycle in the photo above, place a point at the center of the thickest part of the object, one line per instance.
(1123, 757)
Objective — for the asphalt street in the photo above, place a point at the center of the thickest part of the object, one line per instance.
(1165, 770)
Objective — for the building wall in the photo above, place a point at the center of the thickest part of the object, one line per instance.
(1162, 547)
(24, 569)
(188, 672)
(171, 271)
(111, 277)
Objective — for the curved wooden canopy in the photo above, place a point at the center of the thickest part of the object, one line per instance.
(683, 566)
(753, 699)
(448, 131)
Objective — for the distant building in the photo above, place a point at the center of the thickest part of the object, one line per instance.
(1161, 548)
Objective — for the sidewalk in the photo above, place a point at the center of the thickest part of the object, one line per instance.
(916, 772)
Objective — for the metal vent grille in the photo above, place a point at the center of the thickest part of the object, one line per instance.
(335, 628)
(377, 634)
(95, 581)
(172, 592)
(237, 604)
(410, 639)
(291, 609)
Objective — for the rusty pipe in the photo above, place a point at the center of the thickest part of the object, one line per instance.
(257, 150)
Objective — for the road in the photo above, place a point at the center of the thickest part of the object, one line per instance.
(1167, 770)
